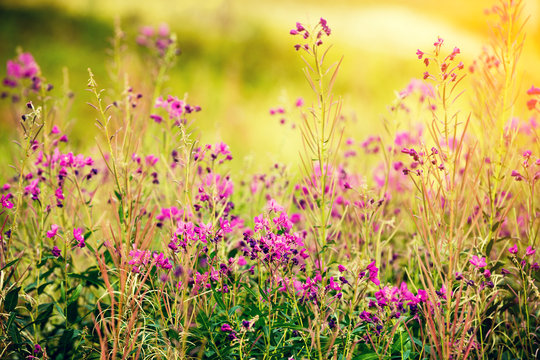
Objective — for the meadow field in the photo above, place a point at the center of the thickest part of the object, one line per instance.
(269, 180)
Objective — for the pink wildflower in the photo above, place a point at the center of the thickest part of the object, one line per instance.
(479, 262)
(52, 233)
(226, 328)
(78, 235)
(533, 91)
(4, 200)
(373, 273)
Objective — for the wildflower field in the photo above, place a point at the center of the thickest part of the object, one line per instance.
(139, 240)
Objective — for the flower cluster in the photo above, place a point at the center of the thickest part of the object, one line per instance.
(320, 30)
(155, 39)
(176, 109)
(398, 300)
(533, 103)
(282, 113)
(21, 68)
(529, 253)
(139, 259)
(272, 240)
(447, 69)
(60, 165)
(530, 172)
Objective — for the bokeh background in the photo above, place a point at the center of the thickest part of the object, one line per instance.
(238, 59)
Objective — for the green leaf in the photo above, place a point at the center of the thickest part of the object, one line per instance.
(250, 291)
(43, 286)
(72, 312)
(88, 234)
(30, 287)
(219, 301)
(121, 213)
(12, 329)
(66, 340)
(12, 299)
(44, 312)
(173, 334)
(46, 274)
(75, 295)
(44, 260)
(10, 263)
(406, 354)
(418, 342)
(496, 225)
(90, 247)
(490, 245)
(287, 326)
(233, 309)
(91, 275)
(59, 310)
(367, 356)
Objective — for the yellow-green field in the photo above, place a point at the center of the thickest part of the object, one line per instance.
(237, 58)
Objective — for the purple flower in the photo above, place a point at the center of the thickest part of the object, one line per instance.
(151, 160)
(516, 175)
(78, 235)
(342, 268)
(226, 328)
(4, 200)
(52, 233)
(365, 316)
(156, 118)
(487, 274)
(422, 295)
(333, 285)
(479, 262)
(56, 251)
(23, 67)
(373, 273)
(513, 249)
(530, 251)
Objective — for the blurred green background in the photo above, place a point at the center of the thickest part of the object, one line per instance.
(238, 59)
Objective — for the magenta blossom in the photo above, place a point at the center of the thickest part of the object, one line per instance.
(479, 262)
(530, 251)
(52, 233)
(78, 235)
(226, 328)
(56, 251)
(4, 200)
(24, 66)
(373, 273)
(513, 249)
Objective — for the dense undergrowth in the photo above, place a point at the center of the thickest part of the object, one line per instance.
(417, 243)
